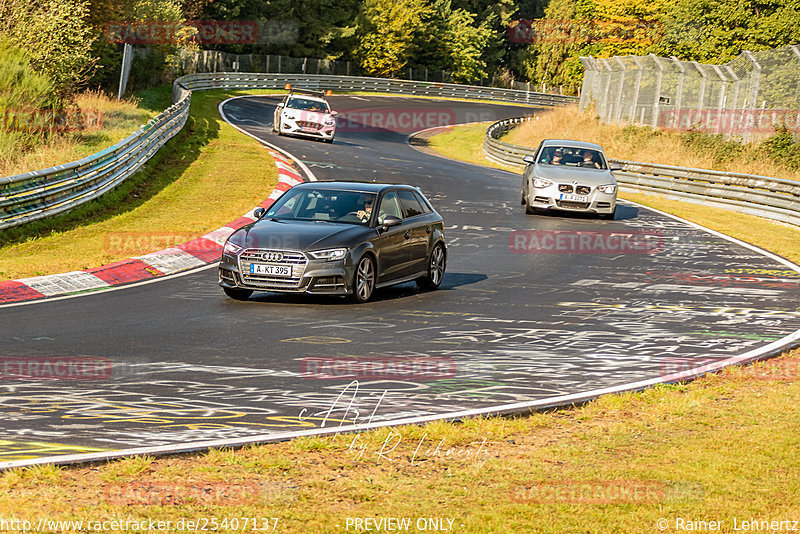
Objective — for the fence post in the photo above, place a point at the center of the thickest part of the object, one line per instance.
(618, 110)
(701, 99)
(657, 95)
(279, 64)
(605, 112)
(305, 60)
(722, 95)
(755, 81)
(636, 91)
(676, 121)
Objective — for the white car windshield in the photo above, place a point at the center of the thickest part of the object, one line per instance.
(304, 104)
(572, 157)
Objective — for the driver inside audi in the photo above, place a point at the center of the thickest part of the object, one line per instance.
(365, 213)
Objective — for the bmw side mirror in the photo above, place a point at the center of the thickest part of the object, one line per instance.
(528, 159)
(390, 221)
(616, 166)
(259, 212)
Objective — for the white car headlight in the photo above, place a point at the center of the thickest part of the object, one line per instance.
(607, 189)
(330, 254)
(231, 248)
(541, 182)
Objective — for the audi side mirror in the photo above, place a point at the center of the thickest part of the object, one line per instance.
(390, 221)
(616, 166)
(259, 212)
(528, 159)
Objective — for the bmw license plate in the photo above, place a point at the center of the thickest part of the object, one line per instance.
(271, 270)
(574, 198)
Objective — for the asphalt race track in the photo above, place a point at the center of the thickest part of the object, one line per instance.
(521, 318)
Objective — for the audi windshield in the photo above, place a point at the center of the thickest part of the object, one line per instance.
(332, 205)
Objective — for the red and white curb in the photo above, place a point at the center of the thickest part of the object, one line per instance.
(198, 252)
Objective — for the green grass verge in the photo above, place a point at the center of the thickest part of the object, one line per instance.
(206, 176)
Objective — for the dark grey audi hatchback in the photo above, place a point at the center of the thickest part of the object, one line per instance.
(337, 238)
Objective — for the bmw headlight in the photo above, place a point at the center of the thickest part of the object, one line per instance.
(607, 189)
(541, 182)
(330, 254)
(231, 248)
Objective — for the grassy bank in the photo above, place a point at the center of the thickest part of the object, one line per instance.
(721, 448)
(107, 122)
(206, 176)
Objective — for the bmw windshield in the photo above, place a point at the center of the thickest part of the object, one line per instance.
(303, 204)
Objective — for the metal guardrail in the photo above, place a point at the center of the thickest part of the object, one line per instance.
(773, 198)
(238, 80)
(38, 194)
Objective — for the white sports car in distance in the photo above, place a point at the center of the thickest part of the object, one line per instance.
(305, 113)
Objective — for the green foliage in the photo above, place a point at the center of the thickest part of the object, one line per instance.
(57, 37)
(717, 31)
(716, 146)
(460, 46)
(386, 35)
(782, 148)
(152, 68)
(24, 95)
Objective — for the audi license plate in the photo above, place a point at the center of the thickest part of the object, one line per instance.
(574, 198)
(271, 270)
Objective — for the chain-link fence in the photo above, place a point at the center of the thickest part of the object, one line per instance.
(208, 61)
(205, 61)
(748, 96)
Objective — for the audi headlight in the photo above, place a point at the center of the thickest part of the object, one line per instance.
(330, 254)
(541, 182)
(607, 189)
(231, 248)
